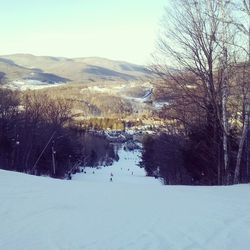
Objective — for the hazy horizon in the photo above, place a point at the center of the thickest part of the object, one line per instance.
(111, 29)
(68, 57)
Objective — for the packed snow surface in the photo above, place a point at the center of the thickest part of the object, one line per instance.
(133, 212)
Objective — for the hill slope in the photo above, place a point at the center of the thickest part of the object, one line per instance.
(131, 213)
(20, 67)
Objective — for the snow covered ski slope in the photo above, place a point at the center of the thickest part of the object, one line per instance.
(133, 212)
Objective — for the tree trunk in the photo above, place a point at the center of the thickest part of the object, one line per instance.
(224, 80)
(225, 131)
(242, 140)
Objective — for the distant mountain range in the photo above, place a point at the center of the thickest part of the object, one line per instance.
(21, 69)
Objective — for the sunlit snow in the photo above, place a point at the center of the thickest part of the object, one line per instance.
(133, 212)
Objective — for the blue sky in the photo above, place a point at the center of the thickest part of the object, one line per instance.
(123, 30)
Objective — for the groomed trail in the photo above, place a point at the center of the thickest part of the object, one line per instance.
(133, 212)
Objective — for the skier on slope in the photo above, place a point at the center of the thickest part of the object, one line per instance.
(111, 176)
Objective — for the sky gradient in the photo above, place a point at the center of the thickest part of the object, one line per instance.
(116, 29)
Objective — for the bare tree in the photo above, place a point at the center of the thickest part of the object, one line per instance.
(9, 114)
(195, 40)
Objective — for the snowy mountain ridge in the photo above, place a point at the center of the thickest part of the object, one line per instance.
(57, 70)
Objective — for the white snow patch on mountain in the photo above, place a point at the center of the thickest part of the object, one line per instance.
(31, 84)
